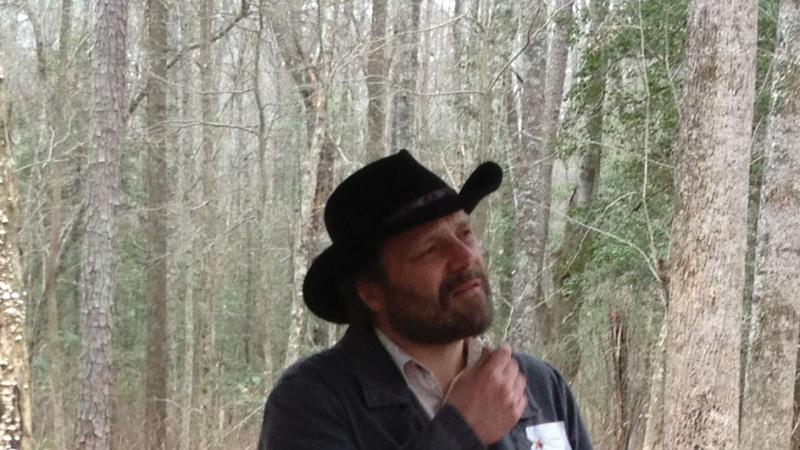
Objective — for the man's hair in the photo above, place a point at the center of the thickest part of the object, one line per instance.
(371, 270)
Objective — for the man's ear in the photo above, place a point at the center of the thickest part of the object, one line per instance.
(370, 294)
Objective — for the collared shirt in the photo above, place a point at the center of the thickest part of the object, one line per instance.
(420, 379)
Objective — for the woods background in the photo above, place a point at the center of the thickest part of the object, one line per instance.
(171, 159)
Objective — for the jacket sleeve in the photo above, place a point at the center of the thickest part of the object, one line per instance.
(301, 416)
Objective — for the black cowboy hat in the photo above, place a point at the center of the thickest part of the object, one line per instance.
(382, 199)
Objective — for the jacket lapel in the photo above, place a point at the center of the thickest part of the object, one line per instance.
(386, 395)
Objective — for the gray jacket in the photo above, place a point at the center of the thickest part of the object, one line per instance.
(353, 396)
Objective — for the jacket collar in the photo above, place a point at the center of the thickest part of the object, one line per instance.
(379, 376)
(380, 379)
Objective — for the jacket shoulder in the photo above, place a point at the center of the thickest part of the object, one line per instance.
(312, 372)
(307, 401)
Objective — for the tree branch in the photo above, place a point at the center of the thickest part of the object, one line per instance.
(243, 12)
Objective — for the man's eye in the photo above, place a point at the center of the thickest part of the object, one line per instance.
(430, 249)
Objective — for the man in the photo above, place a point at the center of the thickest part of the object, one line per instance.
(407, 273)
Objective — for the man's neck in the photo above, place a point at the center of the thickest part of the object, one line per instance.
(444, 360)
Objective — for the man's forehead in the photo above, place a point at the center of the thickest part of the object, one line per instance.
(428, 229)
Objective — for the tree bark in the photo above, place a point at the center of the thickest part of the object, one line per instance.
(187, 180)
(406, 63)
(109, 64)
(709, 231)
(206, 347)
(463, 44)
(619, 364)
(555, 317)
(775, 320)
(532, 196)
(54, 250)
(575, 248)
(654, 431)
(154, 427)
(15, 392)
(266, 193)
(376, 83)
(494, 56)
(316, 169)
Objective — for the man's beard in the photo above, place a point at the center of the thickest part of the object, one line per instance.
(445, 319)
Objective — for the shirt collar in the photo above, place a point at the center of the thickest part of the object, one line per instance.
(401, 358)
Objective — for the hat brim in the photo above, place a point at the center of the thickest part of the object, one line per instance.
(337, 263)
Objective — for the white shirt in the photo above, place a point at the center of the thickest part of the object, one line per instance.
(420, 379)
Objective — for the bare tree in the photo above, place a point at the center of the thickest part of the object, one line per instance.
(187, 179)
(775, 323)
(707, 248)
(15, 392)
(57, 114)
(376, 83)
(531, 231)
(155, 183)
(406, 63)
(263, 320)
(206, 345)
(93, 431)
(557, 319)
(308, 79)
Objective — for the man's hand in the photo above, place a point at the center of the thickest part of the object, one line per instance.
(491, 394)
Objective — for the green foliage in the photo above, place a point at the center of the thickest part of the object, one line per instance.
(130, 313)
(642, 52)
(767, 33)
(499, 245)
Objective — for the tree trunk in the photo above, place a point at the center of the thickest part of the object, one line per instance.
(796, 427)
(619, 363)
(494, 56)
(54, 250)
(154, 427)
(709, 231)
(530, 233)
(266, 193)
(206, 304)
(575, 248)
(422, 135)
(316, 170)
(187, 177)
(93, 430)
(654, 431)
(185, 438)
(555, 317)
(775, 323)
(406, 63)
(15, 392)
(376, 83)
(307, 237)
(462, 60)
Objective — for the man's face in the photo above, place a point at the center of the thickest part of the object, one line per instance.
(435, 288)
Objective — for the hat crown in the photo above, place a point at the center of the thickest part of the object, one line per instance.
(379, 193)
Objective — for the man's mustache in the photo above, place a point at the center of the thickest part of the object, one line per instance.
(453, 281)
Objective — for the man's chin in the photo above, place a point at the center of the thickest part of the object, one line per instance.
(458, 327)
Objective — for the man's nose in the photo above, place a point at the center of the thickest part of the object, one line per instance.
(462, 255)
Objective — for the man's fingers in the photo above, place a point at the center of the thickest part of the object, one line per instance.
(522, 402)
(500, 357)
(505, 349)
(486, 353)
(519, 385)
